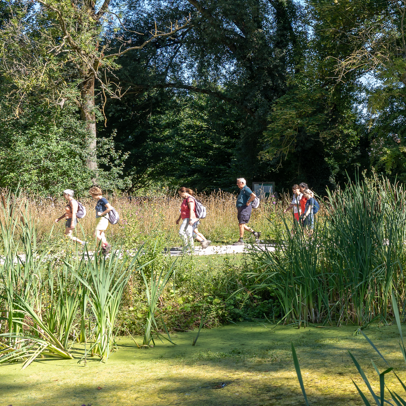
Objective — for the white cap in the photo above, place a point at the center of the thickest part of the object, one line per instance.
(69, 192)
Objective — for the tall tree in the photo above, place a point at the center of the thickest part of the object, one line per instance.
(63, 46)
(238, 52)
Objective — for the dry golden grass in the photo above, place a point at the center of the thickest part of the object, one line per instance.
(141, 217)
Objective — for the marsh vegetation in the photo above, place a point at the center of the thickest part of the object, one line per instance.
(59, 301)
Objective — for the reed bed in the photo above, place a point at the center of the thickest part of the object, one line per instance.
(345, 273)
(48, 303)
(55, 295)
(348, 270)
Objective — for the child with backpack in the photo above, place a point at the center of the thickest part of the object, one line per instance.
(295, 204)
(103, 208)
(311, 209)
(73, 211)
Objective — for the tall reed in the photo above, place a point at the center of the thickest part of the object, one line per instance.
(104, 280)
(293, 272)
(349, 269)
(23, 276)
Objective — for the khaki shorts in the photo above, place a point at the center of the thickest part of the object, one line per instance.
(102, 224)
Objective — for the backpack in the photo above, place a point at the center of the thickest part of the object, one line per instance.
(81, 210)
(255, 203)
(316, 207)
(200, 209)
(113, 216)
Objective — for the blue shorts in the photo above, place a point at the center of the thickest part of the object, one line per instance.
(244, 214)
(68, 223)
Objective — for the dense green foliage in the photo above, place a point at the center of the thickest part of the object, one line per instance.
(276, 90)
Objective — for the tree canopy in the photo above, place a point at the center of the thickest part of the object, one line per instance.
(131, 93)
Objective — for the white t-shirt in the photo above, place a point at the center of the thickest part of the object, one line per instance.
(295, 202)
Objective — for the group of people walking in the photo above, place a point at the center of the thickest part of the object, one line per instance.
(71, 216)
(304, 207)
(190, 220)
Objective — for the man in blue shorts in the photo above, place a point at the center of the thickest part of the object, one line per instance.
(244, 208)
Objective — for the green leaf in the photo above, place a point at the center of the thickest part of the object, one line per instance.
(299, 374)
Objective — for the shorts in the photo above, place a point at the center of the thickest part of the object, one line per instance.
(68, 223)
(102, 224)
(244, 214)
(296, 216)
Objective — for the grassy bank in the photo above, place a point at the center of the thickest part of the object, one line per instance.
(243, 364)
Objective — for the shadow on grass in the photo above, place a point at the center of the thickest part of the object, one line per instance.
(168, 391)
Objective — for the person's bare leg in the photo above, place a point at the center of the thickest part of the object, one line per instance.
(204, 242)
(199, 236)
(69, 233)
(242, 228)
(101, 236)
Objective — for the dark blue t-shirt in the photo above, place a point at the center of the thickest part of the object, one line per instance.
(310, 202)
(101, 205)
(244, 196)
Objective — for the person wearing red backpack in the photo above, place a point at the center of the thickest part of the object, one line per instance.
(71, 210)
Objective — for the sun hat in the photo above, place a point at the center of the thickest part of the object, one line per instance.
(69, 192)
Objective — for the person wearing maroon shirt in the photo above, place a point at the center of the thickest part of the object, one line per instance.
(190, 222)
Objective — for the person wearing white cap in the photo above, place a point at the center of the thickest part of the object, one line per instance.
(70, 215)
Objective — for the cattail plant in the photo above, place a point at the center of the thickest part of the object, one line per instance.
(104, 279)
(23, 275)
(349, 269)
(159, 273)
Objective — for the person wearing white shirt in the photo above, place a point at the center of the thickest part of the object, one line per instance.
(295, 204)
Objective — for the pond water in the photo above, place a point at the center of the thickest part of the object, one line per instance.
(242, 364)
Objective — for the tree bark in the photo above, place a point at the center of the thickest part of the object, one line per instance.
(89, 117)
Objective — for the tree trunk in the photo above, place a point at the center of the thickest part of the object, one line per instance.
(89, 117)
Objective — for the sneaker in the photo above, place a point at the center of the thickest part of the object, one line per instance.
(106, 249)
(205, 243)
(239, 242)
(256, 234)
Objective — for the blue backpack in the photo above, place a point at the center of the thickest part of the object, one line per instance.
(316, 207)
